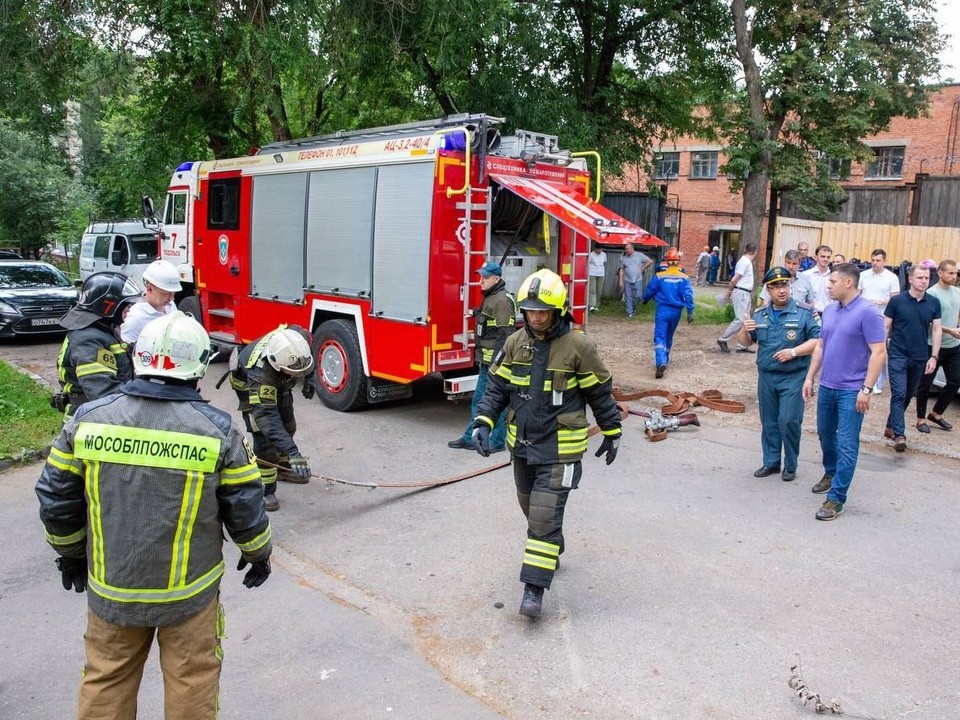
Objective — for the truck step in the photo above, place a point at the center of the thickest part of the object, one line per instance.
(223, 337)
(222, 312)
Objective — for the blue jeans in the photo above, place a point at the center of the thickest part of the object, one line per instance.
(632, 293)
(498, 438)
(904, 375)
(838, 424)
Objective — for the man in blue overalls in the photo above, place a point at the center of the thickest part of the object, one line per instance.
(672, 292)
(785, 335)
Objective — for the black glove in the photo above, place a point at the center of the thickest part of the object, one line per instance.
(689, 319)
(298, 466)
(481, 438)
(73, 573)
(257, 574)
(608, 446)
(309, 386)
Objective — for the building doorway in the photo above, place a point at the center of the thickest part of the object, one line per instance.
(728, 240)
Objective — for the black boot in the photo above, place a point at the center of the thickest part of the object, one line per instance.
(532, 600)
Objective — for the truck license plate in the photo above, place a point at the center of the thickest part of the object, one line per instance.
(45, 321)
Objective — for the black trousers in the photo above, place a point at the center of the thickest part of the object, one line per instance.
(542, 492)
(949, 360)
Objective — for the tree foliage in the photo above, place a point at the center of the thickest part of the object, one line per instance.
(817, 77)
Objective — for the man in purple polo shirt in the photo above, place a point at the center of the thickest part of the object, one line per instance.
(851, 350)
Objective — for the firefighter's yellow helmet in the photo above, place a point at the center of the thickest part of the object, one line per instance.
(544, 290)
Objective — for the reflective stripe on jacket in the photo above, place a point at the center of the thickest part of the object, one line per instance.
(265, 394)
(495, 322)
(142, 483)
(547, 385)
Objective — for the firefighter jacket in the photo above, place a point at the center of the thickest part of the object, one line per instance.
(495, 322)
(670, 288)
(547, 385)
(265, 396)
(142, 483)
(92, 363)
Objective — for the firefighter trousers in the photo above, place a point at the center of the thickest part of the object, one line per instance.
(542, 492)
(264, 449)
(190, 656)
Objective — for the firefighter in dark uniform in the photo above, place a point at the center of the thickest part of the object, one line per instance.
(546, 375)
(134, 497)
(495, 322)
(93, 362)
(785, 334)
(263, 374)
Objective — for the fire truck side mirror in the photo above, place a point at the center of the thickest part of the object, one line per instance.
(146, 207)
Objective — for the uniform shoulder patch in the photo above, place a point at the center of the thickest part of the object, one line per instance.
(106, 358)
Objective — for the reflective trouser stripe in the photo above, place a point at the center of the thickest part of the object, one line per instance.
(541, 554)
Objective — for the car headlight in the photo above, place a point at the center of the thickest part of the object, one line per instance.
(8, 309)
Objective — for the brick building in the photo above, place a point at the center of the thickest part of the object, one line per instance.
(709, 214)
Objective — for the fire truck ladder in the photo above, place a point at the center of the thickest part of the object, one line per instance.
(580, 245)
(476, 208)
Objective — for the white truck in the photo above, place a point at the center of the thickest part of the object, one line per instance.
(124, 246)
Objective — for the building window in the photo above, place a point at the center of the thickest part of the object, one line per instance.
(839, 168)
(887, 163)
(703, 165)
(666, 166)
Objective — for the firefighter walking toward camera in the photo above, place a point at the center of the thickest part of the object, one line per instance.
(93, 362)
(546, 375)
(672, 292)
(263, 374)
(135, 496)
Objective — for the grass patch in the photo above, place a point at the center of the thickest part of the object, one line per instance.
(27, 422)
(706, 311)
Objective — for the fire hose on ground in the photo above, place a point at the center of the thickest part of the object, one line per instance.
(658, 421)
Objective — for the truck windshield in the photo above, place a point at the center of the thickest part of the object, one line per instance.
(144, 249)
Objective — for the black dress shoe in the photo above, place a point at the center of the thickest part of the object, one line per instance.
(940, 422)
(922, 427)
(767, 470)
(459, 444)
(788, 475)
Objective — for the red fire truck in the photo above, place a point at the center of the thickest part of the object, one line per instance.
(372, 239)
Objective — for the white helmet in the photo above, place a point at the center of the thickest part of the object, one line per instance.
(288, 352)
(163, 274)
(172, 346)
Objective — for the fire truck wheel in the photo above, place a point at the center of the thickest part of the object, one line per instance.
(341, 384)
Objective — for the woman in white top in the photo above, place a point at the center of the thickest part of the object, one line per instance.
(161, 281)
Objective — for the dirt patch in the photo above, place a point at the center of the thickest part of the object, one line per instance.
(696, 364)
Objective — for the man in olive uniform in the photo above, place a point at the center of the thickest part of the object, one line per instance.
(263, 375)
(92, 361)
(135, 497)
(785, 334)
(495, 322)
(547, 375)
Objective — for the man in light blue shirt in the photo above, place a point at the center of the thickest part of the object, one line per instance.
(632, 265)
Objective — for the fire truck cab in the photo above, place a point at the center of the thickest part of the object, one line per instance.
(372, 240)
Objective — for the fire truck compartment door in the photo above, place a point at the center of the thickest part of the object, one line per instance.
(574, 209)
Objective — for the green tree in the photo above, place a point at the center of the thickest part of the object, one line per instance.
(817, 77)
(37, 193)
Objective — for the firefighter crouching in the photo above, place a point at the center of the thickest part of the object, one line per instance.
(495, 322)
(546, 375)
(263, 375)
(134, 497)
(92, 361)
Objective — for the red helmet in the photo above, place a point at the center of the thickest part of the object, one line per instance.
(672, 255)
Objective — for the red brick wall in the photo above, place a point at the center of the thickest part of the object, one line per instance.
(708, 205)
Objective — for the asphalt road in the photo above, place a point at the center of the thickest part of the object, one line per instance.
(687, 590)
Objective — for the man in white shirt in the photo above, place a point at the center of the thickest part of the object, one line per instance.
(161, 281)
(739, 291)
(596, 272)
(817, 277)
(878, 285)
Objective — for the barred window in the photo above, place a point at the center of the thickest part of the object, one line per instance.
(666, 166)
(887, 163)
(839, 168)
(703, 165)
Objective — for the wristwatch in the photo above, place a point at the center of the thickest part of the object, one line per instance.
(866, 389)
(793, 352)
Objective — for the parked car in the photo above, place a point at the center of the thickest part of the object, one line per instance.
(124, 246)
(9, 254)
(33, 297)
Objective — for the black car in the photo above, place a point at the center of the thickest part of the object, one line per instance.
(33, 297)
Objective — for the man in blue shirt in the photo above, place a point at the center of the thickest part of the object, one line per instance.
(672, 291)
(786, 335)
(908, 318)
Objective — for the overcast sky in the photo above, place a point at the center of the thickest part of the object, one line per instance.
(950, 53)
